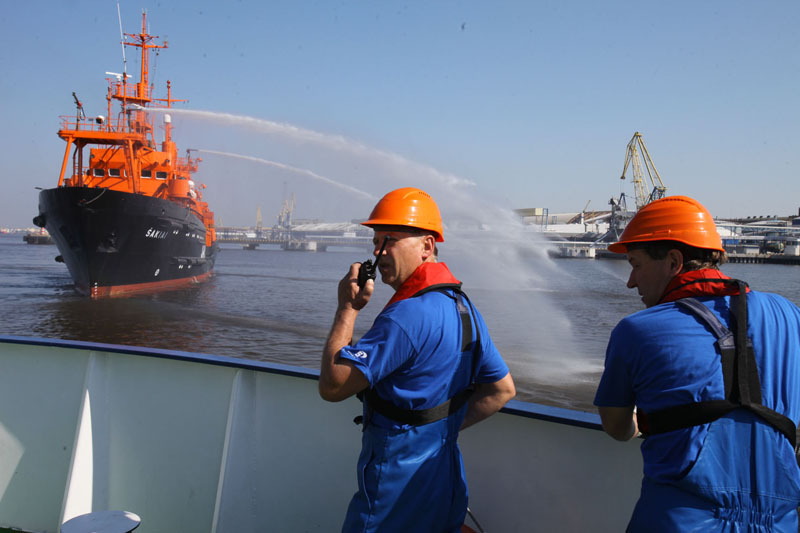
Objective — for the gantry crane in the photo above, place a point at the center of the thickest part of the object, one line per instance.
(285, 216)
(632, 158)
(283, 229)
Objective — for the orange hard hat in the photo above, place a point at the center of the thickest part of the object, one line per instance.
(674, 218)
(410, 207)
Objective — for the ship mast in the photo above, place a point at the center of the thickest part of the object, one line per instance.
(141, 93)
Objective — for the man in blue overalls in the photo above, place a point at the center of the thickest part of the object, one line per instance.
(709, 374)
(426, 369)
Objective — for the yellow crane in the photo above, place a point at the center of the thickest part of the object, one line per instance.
(635, 161)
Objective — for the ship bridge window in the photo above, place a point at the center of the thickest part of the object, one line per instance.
(147, 174)
(114, 172)
(98, 172)
(161, 175)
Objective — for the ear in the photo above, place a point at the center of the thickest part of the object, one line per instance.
(428, 247)
(674, 261)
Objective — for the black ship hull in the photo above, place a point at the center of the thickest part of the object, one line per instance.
(116, 243)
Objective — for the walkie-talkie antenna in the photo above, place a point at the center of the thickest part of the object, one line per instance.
(383, 247)
(369, 270)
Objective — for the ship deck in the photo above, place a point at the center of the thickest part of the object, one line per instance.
(193, 442)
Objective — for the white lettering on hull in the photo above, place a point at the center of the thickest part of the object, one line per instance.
(155, 234)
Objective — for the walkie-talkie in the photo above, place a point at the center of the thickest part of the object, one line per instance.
(369, 270)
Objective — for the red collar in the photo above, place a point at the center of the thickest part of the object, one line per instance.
(424, 276)
(705, 282)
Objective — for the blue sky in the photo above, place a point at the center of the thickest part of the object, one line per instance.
(532, 102)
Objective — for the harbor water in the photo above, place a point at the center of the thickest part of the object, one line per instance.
(277, 306)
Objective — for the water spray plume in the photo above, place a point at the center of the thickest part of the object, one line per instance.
(334, 142)
(296, 170)
(487, 244)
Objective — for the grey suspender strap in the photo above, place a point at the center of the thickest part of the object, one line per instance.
(739, 372)
(419, 417)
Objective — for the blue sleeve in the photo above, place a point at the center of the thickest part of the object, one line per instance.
(774, 327)
(616, 384)
(491, 368)
(381, 351)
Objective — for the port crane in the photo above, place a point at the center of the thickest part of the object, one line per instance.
(636, 162)
(636, 157)
(285, 216)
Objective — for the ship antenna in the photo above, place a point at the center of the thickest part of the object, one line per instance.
(122, 43)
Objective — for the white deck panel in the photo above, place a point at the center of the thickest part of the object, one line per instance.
(195, 443)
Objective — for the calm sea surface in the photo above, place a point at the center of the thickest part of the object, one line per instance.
(549, 318)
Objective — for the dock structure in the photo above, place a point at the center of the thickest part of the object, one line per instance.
(294, 240)
(599, 250)
(773, 259)
(575, 249)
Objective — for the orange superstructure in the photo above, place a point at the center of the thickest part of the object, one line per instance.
(118, 154)
(128, 158)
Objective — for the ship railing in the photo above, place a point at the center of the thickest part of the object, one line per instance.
(195, 442)
(129, 90)
(187, 164)
(92, 124)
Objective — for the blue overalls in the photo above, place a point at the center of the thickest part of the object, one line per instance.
(733, 485)
(417, 469)
(412, 478)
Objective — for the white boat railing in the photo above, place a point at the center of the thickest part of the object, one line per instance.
(198, 443)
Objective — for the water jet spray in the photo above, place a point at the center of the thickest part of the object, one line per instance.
(333, 142)
(492, 252)
(282, 166)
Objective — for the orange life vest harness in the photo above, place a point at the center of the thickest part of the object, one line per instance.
(739, 372)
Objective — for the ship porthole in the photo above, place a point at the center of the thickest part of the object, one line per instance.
(156, 272)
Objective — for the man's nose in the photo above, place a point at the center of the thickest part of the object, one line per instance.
(631, 282)
(379, 245)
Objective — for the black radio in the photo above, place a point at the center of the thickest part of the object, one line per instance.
(369, 270)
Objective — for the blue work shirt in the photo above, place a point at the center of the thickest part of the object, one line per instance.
(412, 354)
(663, 356)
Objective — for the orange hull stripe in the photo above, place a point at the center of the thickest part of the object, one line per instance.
(114, 291)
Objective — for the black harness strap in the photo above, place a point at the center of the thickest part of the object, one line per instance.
(739, 372)
(463, 310)
(419, 417)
